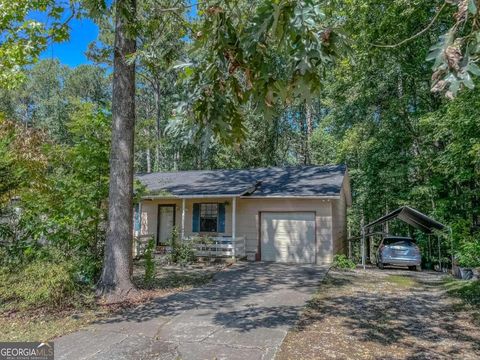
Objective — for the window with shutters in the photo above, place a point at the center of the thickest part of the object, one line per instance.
(208, 217)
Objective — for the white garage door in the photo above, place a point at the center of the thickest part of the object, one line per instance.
(288, 237)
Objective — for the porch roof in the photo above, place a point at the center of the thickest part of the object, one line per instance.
(297, 181)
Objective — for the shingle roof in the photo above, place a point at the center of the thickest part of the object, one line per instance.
(262, 182)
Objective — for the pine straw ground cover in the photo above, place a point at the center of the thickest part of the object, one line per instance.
(390, 314)
(19, 322)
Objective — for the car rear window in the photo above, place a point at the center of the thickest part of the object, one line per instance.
(398, 242)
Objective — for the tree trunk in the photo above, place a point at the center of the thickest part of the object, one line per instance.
(158, 116)
(149, 160)
(176, 158)
(308, 118)
(115, 283)
(303, 119)
(156, 165)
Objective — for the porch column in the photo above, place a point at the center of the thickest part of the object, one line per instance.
(138, 228)
(182, 231)
(234, 223)
(234, 218)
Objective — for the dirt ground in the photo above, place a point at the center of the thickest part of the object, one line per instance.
(389, 314)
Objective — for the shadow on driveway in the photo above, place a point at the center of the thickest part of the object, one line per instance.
(237, 285)
(245, 312)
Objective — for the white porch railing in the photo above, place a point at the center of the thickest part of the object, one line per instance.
(220, 246)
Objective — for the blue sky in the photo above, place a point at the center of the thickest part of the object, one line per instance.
(72, 52)
(82, 32)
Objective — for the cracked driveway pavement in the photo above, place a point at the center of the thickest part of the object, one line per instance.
(244, 313)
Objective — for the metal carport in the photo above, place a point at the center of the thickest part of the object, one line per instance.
(410, 216)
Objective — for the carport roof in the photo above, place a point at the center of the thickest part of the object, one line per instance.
(412, 217)
(295, 181)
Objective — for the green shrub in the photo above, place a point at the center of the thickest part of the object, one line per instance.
(174, 243)
(469, 254)
(149, 262)
(39, 284)
(342, 262)
(182, 252)
(87, 269)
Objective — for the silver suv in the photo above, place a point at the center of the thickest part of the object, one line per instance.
(399, 251)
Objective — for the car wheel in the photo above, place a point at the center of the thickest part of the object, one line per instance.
(380, 265)
(413, 268)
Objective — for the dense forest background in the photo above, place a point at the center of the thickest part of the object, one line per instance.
(376, 113)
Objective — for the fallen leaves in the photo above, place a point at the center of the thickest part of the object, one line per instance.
(382, 314)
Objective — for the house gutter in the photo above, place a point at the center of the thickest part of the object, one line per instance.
(241, 196)
(155, 197)
(292, 197)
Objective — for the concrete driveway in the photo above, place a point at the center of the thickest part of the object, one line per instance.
(244, 313)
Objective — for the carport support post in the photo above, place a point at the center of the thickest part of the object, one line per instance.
(363, 248)
(451, 244)
(182, 231)
(439, 254)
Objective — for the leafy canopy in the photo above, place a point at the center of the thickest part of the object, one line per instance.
(24, 37)
(271, 52)
(457, 52)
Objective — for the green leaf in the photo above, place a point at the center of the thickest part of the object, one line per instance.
(472, 7)
(473, 68)
(467, 81)
(434, 54)
(454, 86)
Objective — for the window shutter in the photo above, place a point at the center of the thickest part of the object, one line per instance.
(196, 218)
(136, 217)
(221, 218)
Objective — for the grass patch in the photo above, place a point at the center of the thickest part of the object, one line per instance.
(167, 276)
(38, 285)
(466, 290)
(168, 280)
(401, 281)
(38, 327)
(42, 301)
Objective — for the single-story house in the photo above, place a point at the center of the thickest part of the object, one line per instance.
(290, 214)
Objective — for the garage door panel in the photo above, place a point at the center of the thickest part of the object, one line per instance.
(291, 255)
(292, 238)
(288, 237)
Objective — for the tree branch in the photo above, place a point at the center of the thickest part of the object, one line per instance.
(421, 32)
(65, 23)
(178, 7)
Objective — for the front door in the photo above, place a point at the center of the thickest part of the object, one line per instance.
(166, 222)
